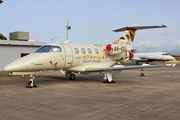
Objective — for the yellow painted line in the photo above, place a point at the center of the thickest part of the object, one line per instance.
(172, 61)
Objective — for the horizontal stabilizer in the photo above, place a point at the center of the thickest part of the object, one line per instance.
(138, 28)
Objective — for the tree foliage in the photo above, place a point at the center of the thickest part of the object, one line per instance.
(2, 37)
(133, 50)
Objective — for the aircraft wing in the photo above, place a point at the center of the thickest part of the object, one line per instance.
(127, 67)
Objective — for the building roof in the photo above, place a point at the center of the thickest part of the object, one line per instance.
(21, 43)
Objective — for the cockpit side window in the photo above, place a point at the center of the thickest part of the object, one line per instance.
(43, 49)
(56, 49)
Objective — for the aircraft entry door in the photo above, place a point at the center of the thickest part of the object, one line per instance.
(68, 55)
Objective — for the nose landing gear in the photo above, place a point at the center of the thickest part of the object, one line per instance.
(31, 83)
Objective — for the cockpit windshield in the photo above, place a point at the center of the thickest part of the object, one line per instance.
(165, 54)
(48, 48)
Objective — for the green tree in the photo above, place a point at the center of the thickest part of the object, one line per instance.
(133, 50)
(2, 37)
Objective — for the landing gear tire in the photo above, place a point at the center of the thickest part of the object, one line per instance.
(107, 81)
(72, 76)
(113, 81)
(31, 83)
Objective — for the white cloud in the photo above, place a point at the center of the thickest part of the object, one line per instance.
(171, 46)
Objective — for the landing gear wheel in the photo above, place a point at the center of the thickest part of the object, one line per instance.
(72, 76)
(113, 81)
(31, 83)
(107, 81)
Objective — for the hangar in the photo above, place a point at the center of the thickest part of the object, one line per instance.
(11, 50)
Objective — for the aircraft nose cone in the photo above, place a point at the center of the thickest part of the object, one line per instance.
(15, 67)
(172, 58)
(11, 68)
(7, 68)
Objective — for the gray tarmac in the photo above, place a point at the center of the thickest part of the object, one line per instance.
(133, 97)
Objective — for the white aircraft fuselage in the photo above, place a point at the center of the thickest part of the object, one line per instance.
(150, 57)
(69, 57)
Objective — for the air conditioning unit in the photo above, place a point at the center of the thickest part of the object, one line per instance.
(20, 36)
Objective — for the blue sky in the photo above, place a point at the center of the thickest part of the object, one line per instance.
(92, 21)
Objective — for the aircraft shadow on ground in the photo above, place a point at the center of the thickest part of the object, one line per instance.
(83, 78)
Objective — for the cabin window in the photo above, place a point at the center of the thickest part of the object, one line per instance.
(44, 49)
(76, 50)
(56, 49)
(89, 50)
(96, 51)
(83, 51)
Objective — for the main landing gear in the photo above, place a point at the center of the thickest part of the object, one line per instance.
(70, 75)
(31, 83)
(108, 77)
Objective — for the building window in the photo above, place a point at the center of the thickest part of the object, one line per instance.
(76, 50)
(96, 51)
(24, 54)
(83, 51)
(89, 50)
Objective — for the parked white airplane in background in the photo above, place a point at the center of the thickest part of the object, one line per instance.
(151, 57)
(80, 58)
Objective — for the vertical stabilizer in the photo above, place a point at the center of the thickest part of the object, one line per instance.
(128, 37)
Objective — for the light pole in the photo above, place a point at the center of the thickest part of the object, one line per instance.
(53, 38)
(68, 28)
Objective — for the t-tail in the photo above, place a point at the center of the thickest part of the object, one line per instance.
(124, 43)
(128, 37)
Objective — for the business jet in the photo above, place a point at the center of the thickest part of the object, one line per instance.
(151, 57)
(80, 58)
